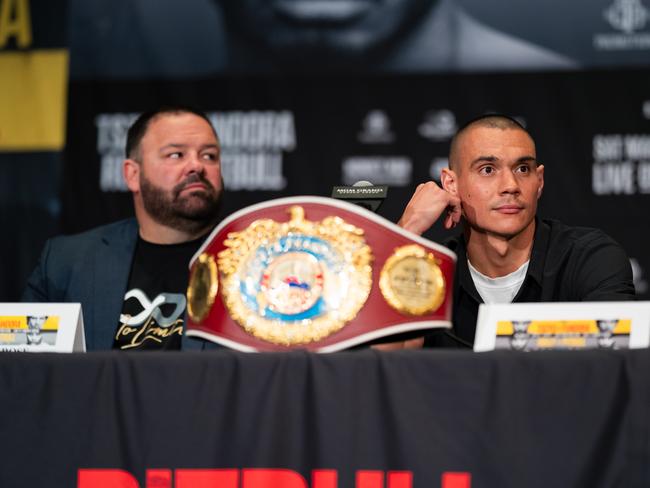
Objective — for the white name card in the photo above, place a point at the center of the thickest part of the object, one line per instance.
(562, 325)
(41, 327)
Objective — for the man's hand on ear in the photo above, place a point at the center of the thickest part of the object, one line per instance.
(426, 206)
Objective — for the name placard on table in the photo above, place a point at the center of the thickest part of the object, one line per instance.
(41, 327)
(563, 325)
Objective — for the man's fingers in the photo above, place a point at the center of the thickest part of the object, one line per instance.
(449, 222)
(429, 203)
(454, 213)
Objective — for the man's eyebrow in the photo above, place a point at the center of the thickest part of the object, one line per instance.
(210, 146)
(527, 159)
(483, 159)
(175, 145)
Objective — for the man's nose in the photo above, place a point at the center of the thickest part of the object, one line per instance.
(509, 182)
(195, 164)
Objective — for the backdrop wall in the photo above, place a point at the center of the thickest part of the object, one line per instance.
(305, 99)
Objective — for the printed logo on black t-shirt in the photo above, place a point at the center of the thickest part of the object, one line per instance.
(158, 321)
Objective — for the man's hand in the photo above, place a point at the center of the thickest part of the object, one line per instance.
(426, 206)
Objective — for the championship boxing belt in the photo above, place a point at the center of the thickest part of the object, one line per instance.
(315, 273)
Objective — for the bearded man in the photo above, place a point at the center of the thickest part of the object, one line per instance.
(131, 276)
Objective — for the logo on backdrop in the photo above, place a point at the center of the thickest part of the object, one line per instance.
(621, 164)
(375, 128)
(253, 145)
(436, 167)
(628, 17)
(381, 170)
(438, 125)
(111, 140)
(252, 148)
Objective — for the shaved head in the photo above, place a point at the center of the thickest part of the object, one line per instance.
(490, 121)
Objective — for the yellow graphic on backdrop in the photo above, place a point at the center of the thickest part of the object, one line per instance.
(15, 22)
(33, 86)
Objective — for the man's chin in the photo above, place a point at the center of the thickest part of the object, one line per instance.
(199, 210)
(196, 200)
(199, 214)
(509, 232)
(504, 230)
(193, 223)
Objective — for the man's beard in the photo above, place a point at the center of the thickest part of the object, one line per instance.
(191, 213)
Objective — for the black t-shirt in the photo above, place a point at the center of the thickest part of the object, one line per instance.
(154, 306)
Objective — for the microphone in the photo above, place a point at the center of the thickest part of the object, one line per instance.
(362, 193)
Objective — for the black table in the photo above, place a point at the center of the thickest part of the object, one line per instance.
(368, 419)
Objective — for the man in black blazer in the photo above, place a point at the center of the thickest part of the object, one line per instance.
(131, 276)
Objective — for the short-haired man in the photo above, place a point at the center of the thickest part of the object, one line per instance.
(131, 276)
(505, 253)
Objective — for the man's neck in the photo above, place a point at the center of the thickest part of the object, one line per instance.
(494, 255)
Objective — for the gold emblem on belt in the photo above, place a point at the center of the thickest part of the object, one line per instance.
(202, 288)
(295, 282)
(411, 281)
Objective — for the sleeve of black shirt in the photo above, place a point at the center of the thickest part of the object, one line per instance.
(603, 271)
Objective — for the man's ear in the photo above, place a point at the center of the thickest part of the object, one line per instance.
(131, 172)
(449, 180)
(540, 177)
